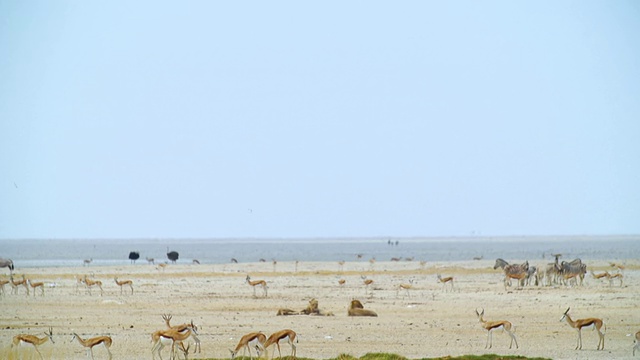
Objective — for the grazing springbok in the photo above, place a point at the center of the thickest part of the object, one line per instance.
(90, 343)
(254, 339)
(492, 325)
(580, 323)
(184, 350)
(604, 275)
(24, 339)
(8, 263)
(288, 335)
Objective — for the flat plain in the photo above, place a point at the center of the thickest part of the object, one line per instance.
(427, 320)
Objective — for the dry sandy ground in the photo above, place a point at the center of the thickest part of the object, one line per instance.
(429, 322)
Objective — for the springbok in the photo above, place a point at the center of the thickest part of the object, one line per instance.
(580, 323)
(33, 340)
(492, 325)
(288, 335)
(182, 327)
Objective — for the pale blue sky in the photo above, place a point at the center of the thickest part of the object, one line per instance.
(313, 119)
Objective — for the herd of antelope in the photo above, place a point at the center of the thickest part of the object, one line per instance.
(175, 335)
(38, 286)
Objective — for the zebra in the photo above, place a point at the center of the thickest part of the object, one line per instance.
(513, 271)
(574, 269)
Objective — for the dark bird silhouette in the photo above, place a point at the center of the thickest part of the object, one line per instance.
(133, 256)
(172, 255)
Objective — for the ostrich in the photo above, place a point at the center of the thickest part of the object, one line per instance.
(133, 256)
(172, 255)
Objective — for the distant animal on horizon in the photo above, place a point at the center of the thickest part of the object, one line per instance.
(8, 263)
(151, 261)
(172, 255)
(86, 262)
(133, 256)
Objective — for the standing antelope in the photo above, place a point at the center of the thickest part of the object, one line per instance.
(15, 284)
(90, 343)
(172, 335)
(36, 285)
(405, 287)
(615, 276)
(491, 325)
(181, 328)
(253, 284)
(444, 281)
(366, 283)
(580, 323)
(124, 282)
(89, 283)
(288, 335)
(254, 339)
(33, 340)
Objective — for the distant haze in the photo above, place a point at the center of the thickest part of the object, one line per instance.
(212, 119)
